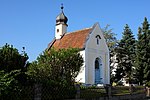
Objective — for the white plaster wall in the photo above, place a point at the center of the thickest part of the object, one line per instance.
(62, 29)
(94, 50)
(82, 73)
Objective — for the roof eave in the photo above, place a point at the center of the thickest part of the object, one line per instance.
(51, 44)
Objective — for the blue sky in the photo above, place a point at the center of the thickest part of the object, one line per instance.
(31, 23)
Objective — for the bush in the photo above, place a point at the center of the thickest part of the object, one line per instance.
(56, 70)
(56, 91)
(148, 84)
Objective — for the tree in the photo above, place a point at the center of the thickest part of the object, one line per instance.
(56, 65)
(10, 59)
(142, 53)
(57, 70)
(146, 32)
(110, 38)
(125, 53)
(12, 62)
(139, 61)
(12, 71)
(7, 81)
(111, 41)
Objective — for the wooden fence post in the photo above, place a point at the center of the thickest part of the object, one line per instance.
(37, 91)
(78, 91)
(109, 92)
(147, 91)
(131, 89)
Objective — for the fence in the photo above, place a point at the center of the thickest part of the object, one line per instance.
(113, 93)
(148, 91)
(23, 93)
(40, 92)
(44, 92)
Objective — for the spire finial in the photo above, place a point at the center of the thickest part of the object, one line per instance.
(62, 7)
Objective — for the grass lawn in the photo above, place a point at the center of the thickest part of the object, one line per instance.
(95, 92)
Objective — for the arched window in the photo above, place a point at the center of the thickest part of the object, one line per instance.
(98, 38)
(96, 63)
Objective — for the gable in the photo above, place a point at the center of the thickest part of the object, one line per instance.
(96, 39)
(75, 39)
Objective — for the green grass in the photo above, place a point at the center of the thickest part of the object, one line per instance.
(122, 90)
(95, 92)
(92, 93)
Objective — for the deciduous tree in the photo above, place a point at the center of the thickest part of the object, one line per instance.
(111, 41)
(57, 65)
(57, 70)
(10, 59)
(12, 68)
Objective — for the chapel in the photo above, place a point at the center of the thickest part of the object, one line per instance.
(93, 48)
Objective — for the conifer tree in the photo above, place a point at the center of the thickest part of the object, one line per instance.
(142, 54)
(140, 51)
(125, 53)
(146, 33)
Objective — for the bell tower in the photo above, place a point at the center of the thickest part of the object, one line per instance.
(61, 24)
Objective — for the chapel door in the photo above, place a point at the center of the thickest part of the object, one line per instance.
(97, 71)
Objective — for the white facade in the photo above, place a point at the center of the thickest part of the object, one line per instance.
(95, 48)
(60, 30)
(83, 73)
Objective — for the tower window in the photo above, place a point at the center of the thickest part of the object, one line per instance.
(57, 30)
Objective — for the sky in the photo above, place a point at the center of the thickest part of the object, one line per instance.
(31, 23)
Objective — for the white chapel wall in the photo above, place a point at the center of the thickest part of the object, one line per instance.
(94, 50)
(81, 77)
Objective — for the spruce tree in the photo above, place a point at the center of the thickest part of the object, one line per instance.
(140, 51)
(146, 33)
(125, 53)
(142, 54)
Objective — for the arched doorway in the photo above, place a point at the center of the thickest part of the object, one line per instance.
(98, 65)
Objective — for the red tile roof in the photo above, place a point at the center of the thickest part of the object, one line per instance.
(75, 39)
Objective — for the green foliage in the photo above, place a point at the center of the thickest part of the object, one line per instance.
(10, 59)
(111, 41)
(56, 65)
(110, 38)
(57, 70)
(12, 68)
(57, 92)
(148, 84)
(125, 53)
(142, 62)
(146, 32)
(140, 51)
(8, 83)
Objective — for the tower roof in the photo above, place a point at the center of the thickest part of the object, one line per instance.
(61, 18)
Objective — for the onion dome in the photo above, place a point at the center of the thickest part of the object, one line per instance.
(61, 18)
